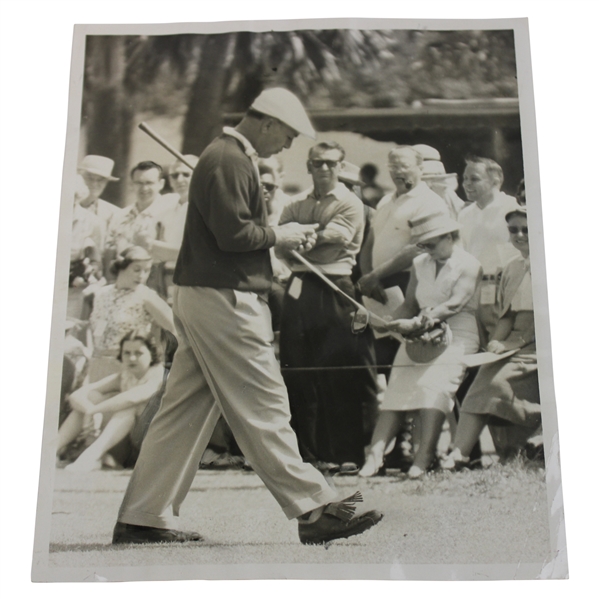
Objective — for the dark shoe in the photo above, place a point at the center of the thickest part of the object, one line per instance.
(131, 533)
(338, 522)
(348, 469)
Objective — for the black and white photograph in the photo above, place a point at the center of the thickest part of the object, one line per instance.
(300, 323)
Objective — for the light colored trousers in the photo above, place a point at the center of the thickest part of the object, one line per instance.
(225, 363)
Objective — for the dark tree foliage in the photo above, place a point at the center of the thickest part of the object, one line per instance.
(204, 76)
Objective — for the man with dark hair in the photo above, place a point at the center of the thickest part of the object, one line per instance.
(138, 223)
(326, 405)
(225, 362)
(483, 230)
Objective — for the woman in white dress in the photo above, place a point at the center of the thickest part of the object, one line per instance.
(443, 288)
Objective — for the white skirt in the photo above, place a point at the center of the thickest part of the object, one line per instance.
(415, 386)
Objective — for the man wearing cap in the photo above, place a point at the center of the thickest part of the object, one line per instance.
(326, 405)
(225, 361)
(97, 173)
(483, 233)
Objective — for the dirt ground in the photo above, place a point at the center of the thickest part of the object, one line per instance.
(493, 516)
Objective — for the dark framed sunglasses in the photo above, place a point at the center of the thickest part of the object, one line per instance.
(431, 245)
(269, 186)
(516, 230)
(320, 163)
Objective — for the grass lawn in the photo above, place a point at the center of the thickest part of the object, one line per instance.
(494, 516)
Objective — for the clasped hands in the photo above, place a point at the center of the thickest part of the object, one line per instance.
(294, 236)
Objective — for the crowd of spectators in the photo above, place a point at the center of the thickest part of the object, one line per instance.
(442, 278)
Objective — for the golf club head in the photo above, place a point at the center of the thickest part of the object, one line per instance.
(360, 321)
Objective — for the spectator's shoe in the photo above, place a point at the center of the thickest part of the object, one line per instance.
(455, 461)
(338, 522)
(348, 469)
(372, 466)
(133, 534)
(415, 472)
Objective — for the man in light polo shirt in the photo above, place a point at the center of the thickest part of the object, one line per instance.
(326, 405)
(483, 231)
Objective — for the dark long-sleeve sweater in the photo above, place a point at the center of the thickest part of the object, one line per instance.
(226, 238)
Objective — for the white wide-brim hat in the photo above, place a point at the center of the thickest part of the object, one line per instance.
(351, 174)
(281, 104)
(431, 226)
(98, 165)
(433, 169)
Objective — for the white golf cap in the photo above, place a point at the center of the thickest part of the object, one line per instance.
(281, 104)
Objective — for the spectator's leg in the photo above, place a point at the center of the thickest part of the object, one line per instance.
(117, 428)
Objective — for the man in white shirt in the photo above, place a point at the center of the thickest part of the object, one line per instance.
(483, 230)
(97, 173)
(138, 224)
(387, 254)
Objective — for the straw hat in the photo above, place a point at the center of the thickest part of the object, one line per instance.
(431, 226)
(350, 174)
(427, 152)
(422, 351)
(98, 165)
(281, 104)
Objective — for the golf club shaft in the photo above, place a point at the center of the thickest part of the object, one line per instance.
(334, 287)
(147, 129)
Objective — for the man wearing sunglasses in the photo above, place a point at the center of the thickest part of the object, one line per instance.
(326, 405)
(483, 232)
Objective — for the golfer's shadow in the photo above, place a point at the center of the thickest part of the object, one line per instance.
(89, 547)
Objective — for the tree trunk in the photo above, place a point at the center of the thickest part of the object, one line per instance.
(204, 118)
(108, 113)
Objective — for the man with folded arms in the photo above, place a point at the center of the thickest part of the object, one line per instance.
(316, 332)
(225, 361)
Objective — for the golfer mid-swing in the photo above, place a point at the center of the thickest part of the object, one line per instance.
(225, 361)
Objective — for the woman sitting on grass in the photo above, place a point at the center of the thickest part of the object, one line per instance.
(507, 391)
(120, 398)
